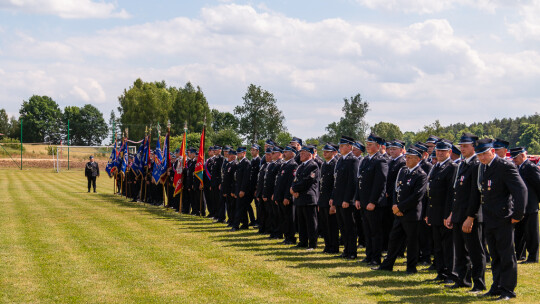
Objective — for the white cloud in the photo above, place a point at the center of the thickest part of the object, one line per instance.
(80, 9)
(410, 75)
(529, 25)
(436, 6)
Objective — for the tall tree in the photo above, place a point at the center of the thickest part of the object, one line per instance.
(352, 123)
(87, 125)
(224, 120)
(530, 138)
(143, 104)
(4, 122)
(41, 118)
(259, 116)
(189, 106)
(387, 130)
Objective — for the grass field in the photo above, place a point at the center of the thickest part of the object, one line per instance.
(59, 244)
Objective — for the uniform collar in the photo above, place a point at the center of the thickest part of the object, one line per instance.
(468, 160)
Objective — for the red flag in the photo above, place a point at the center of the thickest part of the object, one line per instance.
(199, 166)
(178, 181)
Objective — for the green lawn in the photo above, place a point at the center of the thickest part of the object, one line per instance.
(60, 244)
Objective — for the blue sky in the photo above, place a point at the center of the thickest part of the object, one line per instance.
(413, 61)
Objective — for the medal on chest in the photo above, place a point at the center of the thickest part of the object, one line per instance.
(489, 185)
(461, 180)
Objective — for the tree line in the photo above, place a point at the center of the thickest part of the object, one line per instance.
(155, 104)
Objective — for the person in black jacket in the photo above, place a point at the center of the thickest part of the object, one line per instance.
(439, 193)
(91, 171)
(228, 186)
(328, 225)
(370, 197)
(305, 190)
(207, 178)
(357, 150)
(283, 197)
(409, 190)
(530, 174)
(215, 172)
(425, 235)
(242, 187)
(466, 221)
(396, 162)
(254, 174)
(343, 196)
(504, 196)
(268, 191)
(218, 182)
(263, 213)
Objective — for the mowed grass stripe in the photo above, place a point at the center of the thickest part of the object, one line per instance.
(88, 213)
(19, 282)
(111, 250)
(59, 256)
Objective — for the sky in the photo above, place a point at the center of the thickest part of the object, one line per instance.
(412, 61)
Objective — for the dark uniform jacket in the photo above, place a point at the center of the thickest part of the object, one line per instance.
(531, 176)
(440, 192)
(254, 174)
(306, 184)
(227, 184)
(326, 182)
(216, 171)
(345, 180)
(242, 176)
(371, 186)
(394, 165)
(270, 178)
(503, 192)
(190, 170)
(318, 160)
(410, 190)
(260, 179)
(91, 169)
(466, 197)
(284, 180)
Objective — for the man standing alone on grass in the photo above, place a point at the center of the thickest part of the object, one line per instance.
(91, 171)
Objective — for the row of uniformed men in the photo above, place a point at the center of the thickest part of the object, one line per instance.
(385, 200)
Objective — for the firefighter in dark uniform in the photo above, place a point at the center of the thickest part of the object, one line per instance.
(396, 162)
(217, 175)
(528, 240)
(242, 187)
(504, 196)
(328, 225)
(263, 212)
(208, 195)
(469, 250)
(424, 231)
(501, 147)
(371, 196)
(358, 149)
(297, 144)
(343, 196)
(409, 190)
(455, 155)
(283, 197)
(188, 181)
(222, 202)
(305, 190)
(253, 179)
(316, 158)
(440, 193)
(229, 187)
(430, 144)
(269, 185)
(91, 171)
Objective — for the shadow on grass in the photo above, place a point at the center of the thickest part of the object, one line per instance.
(395, 284)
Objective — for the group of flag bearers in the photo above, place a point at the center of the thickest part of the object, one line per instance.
(463, 206)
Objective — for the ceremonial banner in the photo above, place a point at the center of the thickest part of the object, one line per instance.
(178, 181)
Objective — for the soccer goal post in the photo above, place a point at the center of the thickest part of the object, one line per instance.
(78, 156)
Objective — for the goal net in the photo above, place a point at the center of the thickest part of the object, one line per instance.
(72, 157)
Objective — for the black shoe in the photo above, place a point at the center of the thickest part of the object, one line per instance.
(365, 260)
(301, 245)
(343, 255)
(95, 191)
(529, 262)
(252, 224)
(351, 257)
(437, 278)
(244, 227)
(88, 191)
(380, 268)
(373, 263)
(448, 281)
(233, 229)
(503, 298)
(456, 286)
(432, 267)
